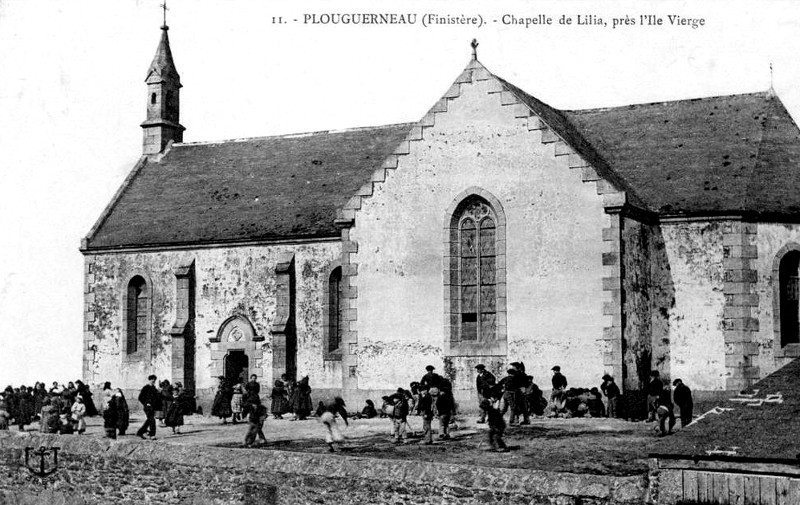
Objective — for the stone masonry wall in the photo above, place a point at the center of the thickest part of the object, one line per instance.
(229, 281)
(101, 471)
(768, 246)
(557, 309)
(695, 331)
(638, 295)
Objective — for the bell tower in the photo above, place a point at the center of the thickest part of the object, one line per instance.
(163, 99)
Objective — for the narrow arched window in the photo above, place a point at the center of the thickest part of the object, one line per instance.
(475, 275)
(153, 99)
(477, 272)
(790, 298)
(335, 310)
(136, 314)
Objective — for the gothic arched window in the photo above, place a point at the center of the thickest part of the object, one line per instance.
(333, 321)
(789, 282)
(476, 272)
(136, 314)
(475, 276)
(335, 310)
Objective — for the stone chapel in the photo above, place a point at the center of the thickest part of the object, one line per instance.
(661, 236)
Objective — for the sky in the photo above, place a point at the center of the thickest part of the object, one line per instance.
(72, 96)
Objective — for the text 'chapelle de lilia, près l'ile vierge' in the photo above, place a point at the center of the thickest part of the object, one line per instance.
(523, 20)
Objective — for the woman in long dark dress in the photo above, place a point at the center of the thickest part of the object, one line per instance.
(123, 414)
(174, 413)
(303, 405)
(24, 408)
(280, 401)
(39, 394)
(10, 397)
(222, 401)
(166, 400)
(86, 394)
(110, 418)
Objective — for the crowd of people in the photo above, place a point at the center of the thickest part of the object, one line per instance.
(63, 409)
(287, 397)
(59, 409)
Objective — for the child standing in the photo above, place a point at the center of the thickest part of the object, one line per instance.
(399, 416)
(497, 426)
(425, 409)
(78, 413)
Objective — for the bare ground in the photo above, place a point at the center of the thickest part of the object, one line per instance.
(592, 446)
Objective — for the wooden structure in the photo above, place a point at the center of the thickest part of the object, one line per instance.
(743, 453)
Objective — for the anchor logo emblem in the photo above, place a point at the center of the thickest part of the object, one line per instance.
(43, 470)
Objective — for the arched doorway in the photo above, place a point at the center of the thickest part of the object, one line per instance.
(234, 352)
(236, 366)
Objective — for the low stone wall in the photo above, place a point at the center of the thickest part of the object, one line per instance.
(95, 470)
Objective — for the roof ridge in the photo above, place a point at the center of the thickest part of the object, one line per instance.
(295, 135)
(765, 94)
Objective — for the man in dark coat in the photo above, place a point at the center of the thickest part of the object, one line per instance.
(654, 389)
(431, 379)
(559, 381)
(559, 387)
(150, 399)
(611, 390)
(508, 385)
(484, 382)
(683, 399)
(521, 381)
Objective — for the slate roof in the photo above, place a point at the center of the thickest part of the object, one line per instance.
(717, 155)
(256, 189)
(765, 432)
(736, 154)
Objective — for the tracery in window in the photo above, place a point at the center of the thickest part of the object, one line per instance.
(477, 271)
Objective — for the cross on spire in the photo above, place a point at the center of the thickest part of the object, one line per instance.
(164, 7)
(474, 45)
(770, 74)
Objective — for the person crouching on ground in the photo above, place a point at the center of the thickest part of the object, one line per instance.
(257, 414)
(664, 412)
(331, 408)
(78, 413)
(368, 412)
(497, 426)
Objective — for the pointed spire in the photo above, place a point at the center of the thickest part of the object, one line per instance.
(162, 67)
(162, 125)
